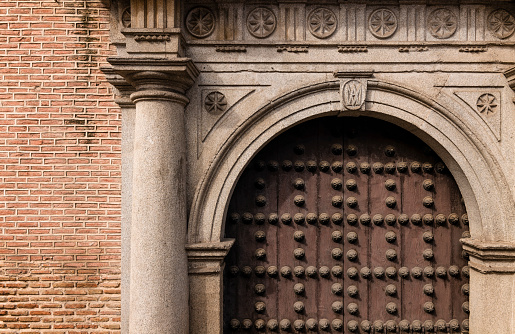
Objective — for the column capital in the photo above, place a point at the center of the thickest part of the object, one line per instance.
(207, 258)
(490, 257)
(156, 74)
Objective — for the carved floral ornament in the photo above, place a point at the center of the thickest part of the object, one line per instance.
(382, 23)
(215, 102)
(261, 22)
(200, 22)
(501, 23)
(487, 104)
(322, 22)
(442, 23)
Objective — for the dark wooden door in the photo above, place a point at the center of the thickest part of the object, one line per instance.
(346, 225)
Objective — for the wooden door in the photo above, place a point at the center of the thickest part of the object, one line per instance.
(346, 225)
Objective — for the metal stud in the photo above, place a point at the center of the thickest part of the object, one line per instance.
(391, 202)
(427, 167)
(391, 254)
(351, 184)
(390, 290)
(247, 218)
(465, 324)
(404, 326)
(428, 185)
(379, 326)
(465, 307)
(298, 166)
(324, 324)
(390, 168)
(366, 272)
(311, 324)
(337, 325)
(299, 149)
(324, 271)
(298, 307)
(441, 272)
(389, 151)
(465, 289)
(428, 219)
(299, 271)
(311, 271)
(337, 289)
(259, 289)
(429, 272)
(352, 150)
(259, 271)
(352, 291)
(246, 271)
(391, 272)
(311, 218)
(390, 219)
(365, 219)
(416, 219)
(287, 165)
(429, 307)
(285, 325)
(299, 184)
(390, 184)
(260, 307)
(337, 201)
(337, 271)
(402, 167)
(234, 218)
(404, 272)
(378, 167)
(299, 253)
(429, 289)
(234, 271)
(272, 325)
(337, 149)
(429, 326)
(299, 218)
(337, 253)
(465, 219)
(428, 201)
(285, 271)
(273, 166)
(324, 166)
(299, 200)
(352, 272)
(416, 326)
(324, 218)
(259, 183)
(337, 236)
(337, 166)
(379, 272)
(465, 234)
(351, 167)
(336, 183)
(352, 202)
(440, 167)
(366, 326)
(286, 219)
(364, 168)
(272, 271)
(454, 325)
(235, 324)
(259, 218)
(416, 272)
(352, 308)
(353, 326)
(337, 307)
(391, 326)
(454, 271)
(352, 237)
(273, 218)
(246, 324)
(403, 219)
(259, 165)
(378, 220)
(260, 254)
(390, 237)
(311, 166)
(441, 326)
(416, 167)
(453, 219)
(352, 219)
(428, 236)
(465, 255)
(352, 255)
(299, 325)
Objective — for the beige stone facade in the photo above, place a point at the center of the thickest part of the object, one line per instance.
(210, 83)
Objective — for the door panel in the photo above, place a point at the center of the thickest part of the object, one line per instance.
(346, 225)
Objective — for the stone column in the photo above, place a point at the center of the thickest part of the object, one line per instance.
(158, 266)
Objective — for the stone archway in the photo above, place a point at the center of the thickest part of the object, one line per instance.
(472, 158)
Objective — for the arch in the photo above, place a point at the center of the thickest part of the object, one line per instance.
(465, 146)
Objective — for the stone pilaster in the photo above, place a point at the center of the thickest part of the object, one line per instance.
(492, 286)
(156, 257)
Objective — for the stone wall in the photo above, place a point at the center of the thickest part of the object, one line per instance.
(59, 170)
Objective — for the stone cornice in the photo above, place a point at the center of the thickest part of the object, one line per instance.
(207, 258)
(490, 257)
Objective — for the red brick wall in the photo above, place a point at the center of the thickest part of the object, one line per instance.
(59, 170)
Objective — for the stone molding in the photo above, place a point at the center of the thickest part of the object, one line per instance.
(510, 76)
(490, 257)
(207, 258)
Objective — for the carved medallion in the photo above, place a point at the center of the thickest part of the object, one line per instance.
(215, 102)
(442, 23)
(501, 23)
(487, 104)
(261, 22)
(126, 18)
(200, 22)
(382, 23)
(322, 22)
(353, 94)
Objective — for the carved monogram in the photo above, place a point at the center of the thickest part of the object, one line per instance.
(353, 93)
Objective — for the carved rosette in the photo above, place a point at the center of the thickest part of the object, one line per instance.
(382, 23)
(261, 22)
(215, 103)
(322, 22)
(442, 23)
(501, 23)
(200, 22)
(487, 104)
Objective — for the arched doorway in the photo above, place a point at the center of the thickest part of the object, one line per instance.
(346, 224)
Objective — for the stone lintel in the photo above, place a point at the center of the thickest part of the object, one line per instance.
(174, 75)
(490, 257)
(207, 258)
